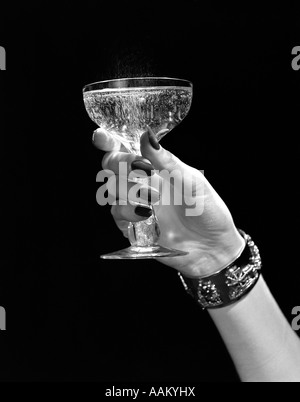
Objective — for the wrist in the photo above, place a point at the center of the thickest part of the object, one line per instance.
(231, 249)
(229, 284)
(217, 255)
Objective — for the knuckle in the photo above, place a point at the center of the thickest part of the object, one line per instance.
(113, 210)
(172, 161)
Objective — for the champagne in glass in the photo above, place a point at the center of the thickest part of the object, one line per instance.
(124, 108)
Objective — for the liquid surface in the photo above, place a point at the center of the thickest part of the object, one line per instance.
(126, 112)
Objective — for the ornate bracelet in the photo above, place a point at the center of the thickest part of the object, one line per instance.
(229, 284)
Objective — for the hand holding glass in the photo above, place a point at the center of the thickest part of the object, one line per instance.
(125, 107)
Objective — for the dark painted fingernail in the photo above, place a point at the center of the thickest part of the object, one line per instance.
(153, 140)
(140, 164)
(143, 211)
(93, 137)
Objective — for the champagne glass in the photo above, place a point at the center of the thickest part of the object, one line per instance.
(125, 108)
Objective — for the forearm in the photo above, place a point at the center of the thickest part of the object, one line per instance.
(259, 339)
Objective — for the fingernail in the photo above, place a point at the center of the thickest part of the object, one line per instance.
(153, 140)
(149, 195)
(146, 212)
(140, 164)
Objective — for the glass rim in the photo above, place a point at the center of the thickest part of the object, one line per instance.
(113, 83)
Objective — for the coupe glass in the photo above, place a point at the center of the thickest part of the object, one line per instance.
(125, 108)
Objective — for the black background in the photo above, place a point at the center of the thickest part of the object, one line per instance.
(70, 315)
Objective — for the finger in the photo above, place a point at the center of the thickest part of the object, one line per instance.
(164, 160)
(131, 213)
(133, 192)
(111, 161)
(103, 140)
(159, 157)
(123, 226)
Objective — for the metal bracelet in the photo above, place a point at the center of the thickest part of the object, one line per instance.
(231, 283)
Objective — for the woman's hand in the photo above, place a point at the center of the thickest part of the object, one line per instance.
(209, 236)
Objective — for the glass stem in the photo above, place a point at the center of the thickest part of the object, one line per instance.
(144, 233)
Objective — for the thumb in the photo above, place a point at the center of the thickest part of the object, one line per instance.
(188, 181)
(160, 158)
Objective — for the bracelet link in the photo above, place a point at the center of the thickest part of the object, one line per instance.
(231, 283)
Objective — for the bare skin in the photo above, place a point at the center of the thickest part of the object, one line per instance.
(258, 337)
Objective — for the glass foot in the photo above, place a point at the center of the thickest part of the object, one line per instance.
(135, 252)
